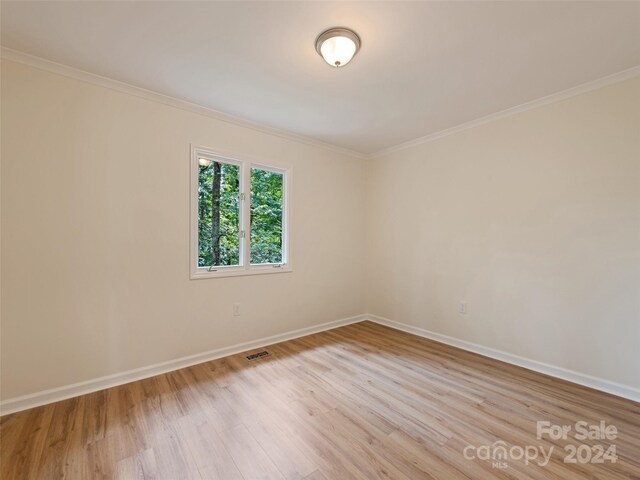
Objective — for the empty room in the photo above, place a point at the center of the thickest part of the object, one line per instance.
(318, 240)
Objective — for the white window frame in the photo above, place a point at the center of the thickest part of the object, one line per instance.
(245, 267)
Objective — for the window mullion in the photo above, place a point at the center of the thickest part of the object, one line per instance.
(246, 215)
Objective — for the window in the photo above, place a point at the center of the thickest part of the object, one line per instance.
(266, 215)
(239, 216)
(218, 213)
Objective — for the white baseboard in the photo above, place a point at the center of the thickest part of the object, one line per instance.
(37, 399)
(44, 397)
(607, 386)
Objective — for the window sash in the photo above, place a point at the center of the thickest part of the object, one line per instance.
(239, 226)
(252, 224)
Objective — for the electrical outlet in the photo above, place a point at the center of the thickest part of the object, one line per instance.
(236, 309)
(462, 308)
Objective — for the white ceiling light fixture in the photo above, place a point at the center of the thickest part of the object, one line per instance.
(338, 46)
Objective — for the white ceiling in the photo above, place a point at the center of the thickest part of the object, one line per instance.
(423, 66)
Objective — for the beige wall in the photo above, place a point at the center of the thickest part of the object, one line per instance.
(533, 220)
(95, 235)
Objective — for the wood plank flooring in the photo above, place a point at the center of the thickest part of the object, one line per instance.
(359, 402)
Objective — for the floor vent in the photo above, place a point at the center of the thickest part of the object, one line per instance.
(257, 355)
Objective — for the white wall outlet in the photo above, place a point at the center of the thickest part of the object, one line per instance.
(236, 309)
(462, 308)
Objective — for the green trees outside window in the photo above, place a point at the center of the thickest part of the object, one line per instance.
(266, 216)
(218, 214)
(219, 210)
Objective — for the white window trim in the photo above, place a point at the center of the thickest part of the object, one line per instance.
(245, 268)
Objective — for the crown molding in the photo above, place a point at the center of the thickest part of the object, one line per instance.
(553, 98)
(82, 75)
(58, 68)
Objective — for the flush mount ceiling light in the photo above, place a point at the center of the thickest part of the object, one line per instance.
(338, 46)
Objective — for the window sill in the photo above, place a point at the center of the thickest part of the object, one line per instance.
(201, 273)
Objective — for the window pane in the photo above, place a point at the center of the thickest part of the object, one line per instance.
(266, 216)
(218, 214)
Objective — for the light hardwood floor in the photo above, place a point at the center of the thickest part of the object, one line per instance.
(362, 401)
